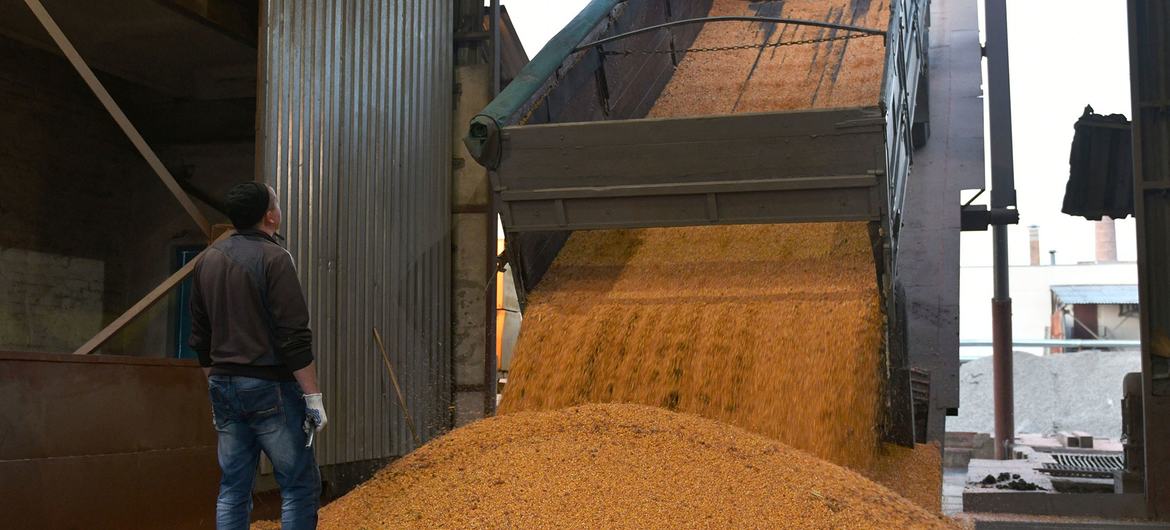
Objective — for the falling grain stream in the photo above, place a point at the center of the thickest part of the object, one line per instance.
(773, 328)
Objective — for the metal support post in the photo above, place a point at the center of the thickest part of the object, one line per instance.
(495, 31)
(1003, 196)
(1001, 324)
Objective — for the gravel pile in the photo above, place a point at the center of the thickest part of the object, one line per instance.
(617, 466)
(1064, 392)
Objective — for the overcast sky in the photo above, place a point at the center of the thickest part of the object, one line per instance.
(1064, 54)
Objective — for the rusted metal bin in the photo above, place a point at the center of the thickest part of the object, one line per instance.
(105, 442)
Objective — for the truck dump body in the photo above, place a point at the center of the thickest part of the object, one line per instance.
(797, 124)
(780, 328)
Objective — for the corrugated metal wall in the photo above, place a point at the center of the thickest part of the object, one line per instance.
(356, 117)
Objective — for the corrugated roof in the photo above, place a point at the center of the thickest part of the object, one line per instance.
(1095, 294)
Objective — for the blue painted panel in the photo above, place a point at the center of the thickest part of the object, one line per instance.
(180, 349)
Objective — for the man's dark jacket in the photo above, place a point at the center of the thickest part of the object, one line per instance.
(249, 315)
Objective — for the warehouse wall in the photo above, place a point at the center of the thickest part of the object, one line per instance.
(356, 114)
(48, 301)
(57, 150)
(1112, 323)
(87, 224)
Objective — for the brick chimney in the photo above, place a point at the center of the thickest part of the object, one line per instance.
(1106, 241)
(1034, 245)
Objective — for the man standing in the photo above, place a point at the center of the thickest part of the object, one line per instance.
(250, 327)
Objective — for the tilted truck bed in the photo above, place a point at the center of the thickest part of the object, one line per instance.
(569, 147)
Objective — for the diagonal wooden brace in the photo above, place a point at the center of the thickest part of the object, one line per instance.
(115, 111)
(145, 303)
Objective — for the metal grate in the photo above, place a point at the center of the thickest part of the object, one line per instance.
(1083, 465)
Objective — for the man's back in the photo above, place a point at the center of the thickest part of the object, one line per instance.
(248, 311)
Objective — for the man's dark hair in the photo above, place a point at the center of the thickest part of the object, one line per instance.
(246, 204)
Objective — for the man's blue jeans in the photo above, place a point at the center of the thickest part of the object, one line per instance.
(254, 415)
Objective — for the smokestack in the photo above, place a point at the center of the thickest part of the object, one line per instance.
(1106, 240)
(1034, 244)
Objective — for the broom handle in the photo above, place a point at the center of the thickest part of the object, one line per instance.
(397, 389)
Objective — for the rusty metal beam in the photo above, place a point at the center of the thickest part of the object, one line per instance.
(115, 111)
(145, 303)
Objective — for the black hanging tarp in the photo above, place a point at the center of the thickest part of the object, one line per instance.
(1100, 181)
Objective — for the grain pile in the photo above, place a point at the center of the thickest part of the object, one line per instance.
(617, 466)
(775, 329)
(914, 473)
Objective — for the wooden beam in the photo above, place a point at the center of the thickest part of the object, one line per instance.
(147, 302)
(132, 133)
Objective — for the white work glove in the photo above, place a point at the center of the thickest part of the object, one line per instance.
(314, 413)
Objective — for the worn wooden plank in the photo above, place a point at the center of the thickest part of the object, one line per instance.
(145, 303)
(731, 127)
(663, 151)
(115, 111)
(736, 186)
(685, 162)
(777, 206)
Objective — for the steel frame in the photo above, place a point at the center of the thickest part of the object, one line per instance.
(1149, 41)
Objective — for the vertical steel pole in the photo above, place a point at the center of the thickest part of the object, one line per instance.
(492, 225)
(1003, 195)
(495, 30)
(1001, 339)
